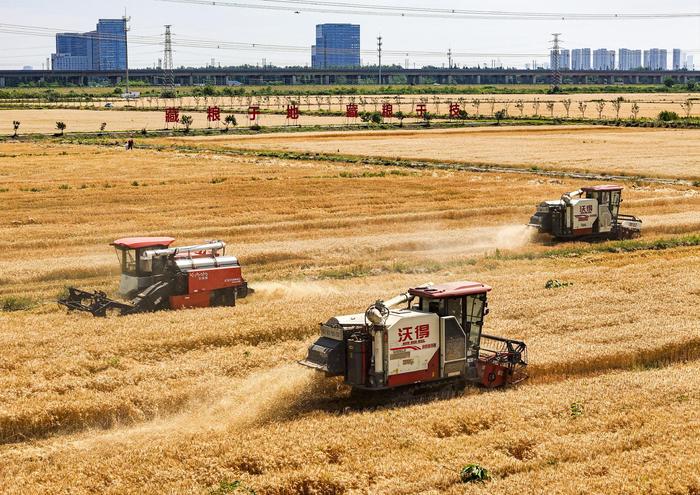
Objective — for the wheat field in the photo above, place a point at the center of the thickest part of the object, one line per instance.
(669, 153)
(212, 400)
(148, 113)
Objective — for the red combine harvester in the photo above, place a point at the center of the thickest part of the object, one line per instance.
(439, 339)
(591, 213)
(155, 276)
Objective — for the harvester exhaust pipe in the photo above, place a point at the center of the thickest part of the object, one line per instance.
(214, 246)
(566, 197)
(378, 312)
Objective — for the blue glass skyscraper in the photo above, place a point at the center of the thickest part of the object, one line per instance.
(337, 45)
(104, 49)
(111, 34)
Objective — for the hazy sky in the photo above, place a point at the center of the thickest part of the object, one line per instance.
(409, 34)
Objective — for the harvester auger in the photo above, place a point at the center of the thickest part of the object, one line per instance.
(590, 213)
(155, 276)
(436, 341)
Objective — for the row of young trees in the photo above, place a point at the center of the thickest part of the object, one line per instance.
(330, 104)
(185, 120)
(376, 116)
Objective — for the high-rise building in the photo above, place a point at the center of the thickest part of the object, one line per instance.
(103, 49)
(603, 59)
(564, 59)
(678, 59)
(656, 59)
(111, 42)
(581, 59)
(629, 59)
(337, 45)
(74, 51)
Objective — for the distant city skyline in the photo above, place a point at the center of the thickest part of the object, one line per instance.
(622, 59)
(474, 41)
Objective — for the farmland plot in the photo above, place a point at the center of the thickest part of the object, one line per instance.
(201, 401)
(602, 150)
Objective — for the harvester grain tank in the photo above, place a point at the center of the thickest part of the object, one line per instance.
(437, 339)
(155, 276)
(589, 213)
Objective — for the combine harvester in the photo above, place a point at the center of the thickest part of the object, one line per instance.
(155, 276)
(436, 342)
(591, 213)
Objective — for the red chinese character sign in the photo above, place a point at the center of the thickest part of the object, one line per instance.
(213, 114)
(454, 110)
(253, 112)
(292, 112)
(387, 110)
(423, 331)
(172, 115)
(421, 109)
(351, 111)
(405, 334)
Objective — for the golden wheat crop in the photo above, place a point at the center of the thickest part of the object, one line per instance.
(627, 151)
(181, 402)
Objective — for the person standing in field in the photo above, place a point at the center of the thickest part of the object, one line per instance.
(130, 144)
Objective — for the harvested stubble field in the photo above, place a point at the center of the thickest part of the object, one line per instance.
(669, 153)
(44, 121)
(649, 105)
(147, 113)
(180, 402)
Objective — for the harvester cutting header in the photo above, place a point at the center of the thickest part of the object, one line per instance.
(156, 276)
(439, 339)
(589, 213)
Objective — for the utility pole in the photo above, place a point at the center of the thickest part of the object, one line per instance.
(449, 58)
(379, 52)
(556, 73)
(168, 59)
(126, 49)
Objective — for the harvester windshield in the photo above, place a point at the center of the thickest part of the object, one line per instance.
(136, 270)
(127, 260)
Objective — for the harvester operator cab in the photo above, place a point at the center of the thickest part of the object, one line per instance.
(136, 270)
(461, 307)
(608, 197)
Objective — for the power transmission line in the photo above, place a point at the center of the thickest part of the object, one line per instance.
(379, 53)
(235, 45)
(315, 6)
(556, 74)
(168, 59)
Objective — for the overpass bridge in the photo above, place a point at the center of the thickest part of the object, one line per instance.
(369, 75)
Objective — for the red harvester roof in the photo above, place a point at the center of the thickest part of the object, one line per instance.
(605, 187)
(452, 289)
(142, 242)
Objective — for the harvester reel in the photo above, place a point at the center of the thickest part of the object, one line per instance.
(97, 303)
